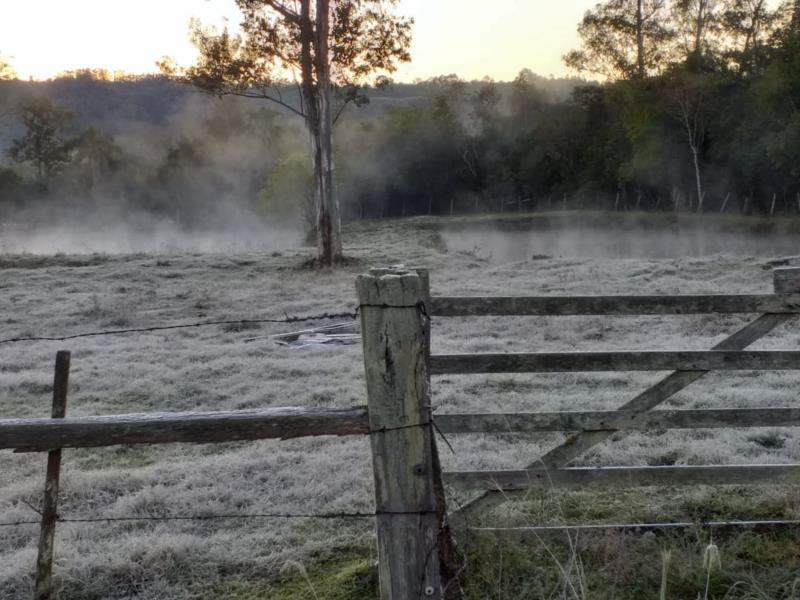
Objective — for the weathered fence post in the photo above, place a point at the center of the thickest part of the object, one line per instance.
(393, 327)
(786, 281)
(44, 561)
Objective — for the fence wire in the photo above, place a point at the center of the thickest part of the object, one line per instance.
(353, 314)
(212, 517)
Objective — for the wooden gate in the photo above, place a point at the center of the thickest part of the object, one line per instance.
(396, 310)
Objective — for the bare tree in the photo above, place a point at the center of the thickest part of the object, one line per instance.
(689, 98)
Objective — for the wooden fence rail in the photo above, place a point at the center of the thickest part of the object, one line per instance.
(572, 362)
(617, 420)
(614, 305)
(181, 427)
(599, 477)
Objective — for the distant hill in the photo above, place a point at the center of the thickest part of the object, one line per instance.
(115, 106)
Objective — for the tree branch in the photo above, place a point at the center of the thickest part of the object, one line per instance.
(261, 96)
(341, 110)
(281, 8)
(278, 101)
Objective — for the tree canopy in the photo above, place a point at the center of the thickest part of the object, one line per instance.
(43, 145)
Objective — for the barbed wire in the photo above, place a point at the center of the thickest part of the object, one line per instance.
(352, 315)
(211, 517)
(287, 319)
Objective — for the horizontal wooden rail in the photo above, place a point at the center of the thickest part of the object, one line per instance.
(594, 477)
(613, 420)
(613, 305)
(534, 534)
(194, 427)
(562, 362)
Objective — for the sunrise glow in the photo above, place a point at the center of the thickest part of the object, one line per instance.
(45, 37)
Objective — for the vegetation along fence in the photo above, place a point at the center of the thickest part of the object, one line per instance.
(415, 550)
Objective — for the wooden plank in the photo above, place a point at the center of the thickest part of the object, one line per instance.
(570, 362)
(616, 420)
(393, 333)
(599, 477)
(556, 532)
(613, 305)
(576, 445)
(181, 427)
(44, 562)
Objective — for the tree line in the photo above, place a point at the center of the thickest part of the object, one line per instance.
(696, 109)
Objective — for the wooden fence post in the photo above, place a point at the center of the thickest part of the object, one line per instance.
(393, 327)
(786, 281)
(44, 561)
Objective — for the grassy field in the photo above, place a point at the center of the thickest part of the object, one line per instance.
(235, 367)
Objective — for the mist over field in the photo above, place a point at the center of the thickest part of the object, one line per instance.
(131, 234)
(597, 235)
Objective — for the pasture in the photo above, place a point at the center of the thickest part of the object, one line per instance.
(235, 367)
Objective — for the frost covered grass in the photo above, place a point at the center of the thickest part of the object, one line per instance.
(217, 368)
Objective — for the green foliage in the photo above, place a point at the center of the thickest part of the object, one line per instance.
(43, 144)
(714, 114)
(628, 566)
(95, 157)
(344, 578)
(6, 70)
(366, 40)
(10, 184)
(623, 39)
(289, 190)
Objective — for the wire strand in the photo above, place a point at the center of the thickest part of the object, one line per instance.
(288, 319)
(353, 315)
(270, 515)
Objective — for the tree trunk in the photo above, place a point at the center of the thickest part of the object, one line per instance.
(700, 25)
(725, 203)
(698, 181)
(319, 122)
(640, 66)
(329, 221)
(796, 17)
(694, 135)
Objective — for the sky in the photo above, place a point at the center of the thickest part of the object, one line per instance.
(44, 37)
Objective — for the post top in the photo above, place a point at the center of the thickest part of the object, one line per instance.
(393, 270)
(390, 287)
(786, 280)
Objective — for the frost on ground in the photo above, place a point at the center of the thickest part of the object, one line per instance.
(218, 368)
